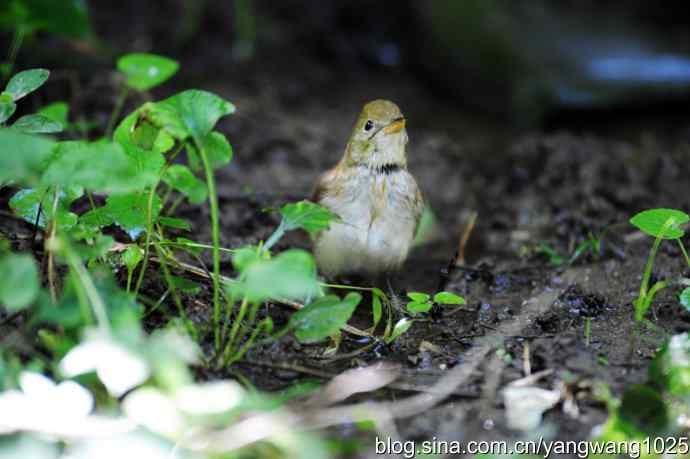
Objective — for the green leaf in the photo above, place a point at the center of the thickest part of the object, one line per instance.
(7, 107)
(57, 111)
(685, 298)
(37, 124)
(290, 275)
(27, 202)
(419, 297)
(181, 178)
(401, 327)
(376, 309)
(306, 215)
(324, 317)
(98, 166)
(130, 211)
(65, 17)
(96, 218)
(145, 71)
(643, 409)
(448, 298)
(653, 221)
(18, 281)
(26, 82)
(132, 257)
(245, 256)
(185, 285)
(23, 156)
(218, 151)
(177, 223)
(139, 132)
(415, 307)
(197, 111)
(671, 366)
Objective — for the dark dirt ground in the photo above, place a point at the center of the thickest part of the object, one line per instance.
(585, 173)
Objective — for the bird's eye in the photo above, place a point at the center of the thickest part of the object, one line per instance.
(369, 125)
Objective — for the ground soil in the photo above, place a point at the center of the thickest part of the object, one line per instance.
(528, 187)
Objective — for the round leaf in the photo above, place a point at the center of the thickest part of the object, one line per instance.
(448, 298)
(145, 71)
(197, 111)
(25, 82)
(306, 215)
(23, 156)
(415, 307)
(291, 275)
(418, 297)
(18, 281)
(181, 178)
(324, 317)
(37, 124)
(57, 111)
(654, 222)
(130, 211)
(401, 327)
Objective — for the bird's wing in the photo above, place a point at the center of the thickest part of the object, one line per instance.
(418, 206)
(323, 186)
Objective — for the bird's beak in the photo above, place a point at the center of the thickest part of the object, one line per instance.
(396, 126)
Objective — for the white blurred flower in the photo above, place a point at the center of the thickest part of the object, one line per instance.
(62, 410)
(118, 368)
(209, 398)
(134, 445)
(169, 415)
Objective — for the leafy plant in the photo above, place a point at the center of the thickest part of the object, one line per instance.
(662, 224)
(24, 18)
(423, 302)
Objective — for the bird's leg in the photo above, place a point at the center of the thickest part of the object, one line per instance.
(385, 282)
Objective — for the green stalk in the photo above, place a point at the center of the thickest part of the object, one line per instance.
(99, 309)
(215, 232)
(149, 230)
(17, 41)
(685, 253)
(275, 237)
(173, 290)
(649, 266)
(195, 244)
(235, 327)
(250, 342)
(250, 323)
(117, 109)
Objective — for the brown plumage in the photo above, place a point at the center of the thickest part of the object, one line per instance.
(375, 196)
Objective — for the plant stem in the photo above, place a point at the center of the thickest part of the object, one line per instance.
(648, 267)
(243, 350)
(215, 232)
(235, 326)
(685, 253)
(275, 237)
(117, 109)
(195, 244)
(17, 41)
(91, 201)
(149, 230)
(48, 242)
(173, 290)
(94, 297)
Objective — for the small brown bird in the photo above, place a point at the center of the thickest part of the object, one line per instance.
(376, 198)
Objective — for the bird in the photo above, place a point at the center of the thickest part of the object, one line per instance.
(376, 199)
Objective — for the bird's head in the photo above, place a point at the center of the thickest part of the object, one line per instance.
(379, 137)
